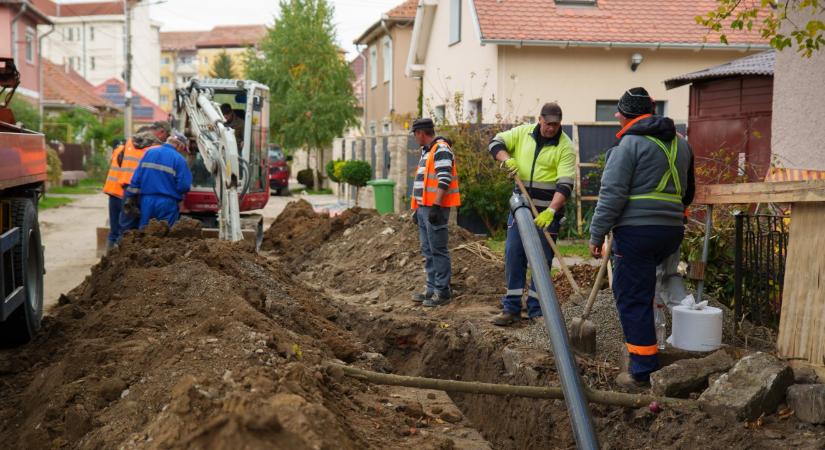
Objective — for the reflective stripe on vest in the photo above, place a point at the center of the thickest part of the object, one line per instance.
(659, 193)
(452, 197)
(131, 160)
(112, 185)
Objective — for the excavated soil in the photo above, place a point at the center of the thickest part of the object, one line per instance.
(178, 342)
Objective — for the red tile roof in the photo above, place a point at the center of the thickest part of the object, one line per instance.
(405, 10)
(180, 40)
(232, 36)
(143, 109)
(62, 85)
(55, 9)
(636, 21)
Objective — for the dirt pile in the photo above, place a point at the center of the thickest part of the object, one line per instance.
(299, 229)
(188, 343)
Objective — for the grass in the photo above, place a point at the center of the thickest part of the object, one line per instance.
(53, 202)
(567, 248)
(83, 187)
(324, 191)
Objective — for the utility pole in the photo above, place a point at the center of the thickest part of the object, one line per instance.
(127, 73)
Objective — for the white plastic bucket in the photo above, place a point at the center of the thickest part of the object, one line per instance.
(697, 330)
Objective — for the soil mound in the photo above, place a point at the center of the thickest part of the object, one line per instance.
(299, 229)
(190, 343)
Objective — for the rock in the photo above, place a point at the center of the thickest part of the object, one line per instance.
(112, 389)
(387, 308)
(756, 385)
(451, 415)
(431, 396)
(688, 375)
(808, 402)
(804, 375)
(414, 409)
(436, 410)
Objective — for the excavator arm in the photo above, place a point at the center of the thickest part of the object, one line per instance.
(219, 150)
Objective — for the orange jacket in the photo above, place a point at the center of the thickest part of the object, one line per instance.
(112, 185)
(453, 195)
(131, 160)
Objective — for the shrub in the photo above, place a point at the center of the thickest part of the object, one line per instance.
(356, 173)
(339, 167)
(97, 165)
(330, 170)
(305, 177)
(54, 171)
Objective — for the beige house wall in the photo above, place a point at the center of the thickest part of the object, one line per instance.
(206, 58)
(797, 134)
(465, 68)
(399, 96)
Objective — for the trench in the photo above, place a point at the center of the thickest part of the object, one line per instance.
(421, 348)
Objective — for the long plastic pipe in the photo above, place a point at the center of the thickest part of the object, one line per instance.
(577, 406)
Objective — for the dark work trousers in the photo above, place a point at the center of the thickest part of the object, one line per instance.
(515, 268)
(638, 250)
(158, 207)
(434, 249)
(127, 222)
(115, 206)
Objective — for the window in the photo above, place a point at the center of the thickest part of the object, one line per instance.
(164, 80)
(92, 63)
(187, 59)
(605, 110)
(455, 21)
(372, 129)
(71, 34)
(91, 33)
(387, 59)
(164, 98)
(373, 67)
(440, 113)
(29, 45)
(165, 60)
(474, 110)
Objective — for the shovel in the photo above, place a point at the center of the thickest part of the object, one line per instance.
(577, 293)
(583, 331)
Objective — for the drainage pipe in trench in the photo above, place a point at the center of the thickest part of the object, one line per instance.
(571, 384)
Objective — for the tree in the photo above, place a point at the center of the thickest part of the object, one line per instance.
(312, 101)
(775, 20)
(222, 67)
(25, 113)
(356, 173)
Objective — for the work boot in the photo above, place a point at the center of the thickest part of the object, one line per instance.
(436, 300)
(419, 297)
(506, 319)
(628, 383)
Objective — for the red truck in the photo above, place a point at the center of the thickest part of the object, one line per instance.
(22, 180)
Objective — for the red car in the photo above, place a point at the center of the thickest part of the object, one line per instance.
(278, 171)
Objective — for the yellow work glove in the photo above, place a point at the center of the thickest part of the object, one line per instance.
(512, 166)
(545, 218)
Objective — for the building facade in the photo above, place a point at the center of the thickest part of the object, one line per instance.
(178, 63)
(90, 38)
(480, 60)
(19, 40)
(390, 97)
(235, 41)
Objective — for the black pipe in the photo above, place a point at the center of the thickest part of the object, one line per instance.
(571, 384)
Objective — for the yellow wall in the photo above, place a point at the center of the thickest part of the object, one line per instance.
(167, 85)
(206, 57)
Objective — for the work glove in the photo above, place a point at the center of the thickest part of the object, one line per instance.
(511, 166)
(435, 216)
(131, 208)
(545, 218)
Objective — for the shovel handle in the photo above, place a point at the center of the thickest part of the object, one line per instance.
(549, 238)
(599, 277)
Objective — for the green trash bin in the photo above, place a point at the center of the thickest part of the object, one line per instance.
(384, 197)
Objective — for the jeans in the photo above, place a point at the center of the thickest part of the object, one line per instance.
(515, 268)
(115, 206)
(435, 251)
(158, 207)
(638, 250)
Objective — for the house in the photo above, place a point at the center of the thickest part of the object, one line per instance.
(20, 40)
(144, 111)
(391, 98)
(234, 40)
(89, 37)
(359, 87)
(64, 88)
(178, 63)
(729, 119)
(500, 60)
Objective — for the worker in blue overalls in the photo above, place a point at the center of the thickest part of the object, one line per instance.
(160, 182)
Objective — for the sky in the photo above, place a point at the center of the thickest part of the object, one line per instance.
(352, 17)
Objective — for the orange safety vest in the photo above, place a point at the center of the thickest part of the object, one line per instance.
(453, 195)
(112, 185)
(131, 161)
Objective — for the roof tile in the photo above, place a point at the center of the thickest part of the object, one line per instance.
(232, 36)
(64, 85)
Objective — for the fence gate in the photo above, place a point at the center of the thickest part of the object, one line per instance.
(759, 268)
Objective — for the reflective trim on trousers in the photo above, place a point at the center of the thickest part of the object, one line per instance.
(643, 350)
(515, 292)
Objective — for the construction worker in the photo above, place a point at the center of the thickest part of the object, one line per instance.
(155, 134)
(114, 190)
(234, 122)
(161, 180)
(647, 180)
(435, 191)
(542, 156)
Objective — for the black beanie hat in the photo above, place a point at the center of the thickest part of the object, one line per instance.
(635, 102)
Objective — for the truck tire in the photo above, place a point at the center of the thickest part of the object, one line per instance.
(22, 325)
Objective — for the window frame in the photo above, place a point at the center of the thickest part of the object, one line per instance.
(661, 109)
(29, 47)
(386, 48)
(455, 22)
(476, 105)
(440, 113)
(92, 65)
(373, 66)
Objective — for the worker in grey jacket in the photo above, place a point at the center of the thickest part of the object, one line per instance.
(647, 181)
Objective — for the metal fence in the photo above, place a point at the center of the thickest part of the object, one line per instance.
(759, 267)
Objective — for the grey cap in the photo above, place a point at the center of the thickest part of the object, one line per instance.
(551, 112)
(180, 137)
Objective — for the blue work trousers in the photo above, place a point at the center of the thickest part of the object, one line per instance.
(435, 251)
(158, 207)
(638, 250)
(115, 206)
(127, 222)
(515, 268)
